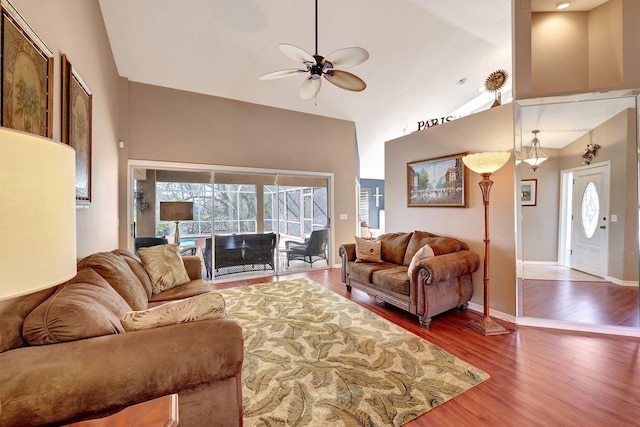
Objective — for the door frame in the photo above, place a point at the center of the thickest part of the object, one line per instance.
(154, 164)
(566, 201)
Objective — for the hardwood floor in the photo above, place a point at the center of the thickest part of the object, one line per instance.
(539, 377)
(595, 302)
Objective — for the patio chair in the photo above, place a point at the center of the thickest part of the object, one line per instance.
(311, 250)
(145, 242)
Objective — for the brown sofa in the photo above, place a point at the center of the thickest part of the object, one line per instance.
(437, 284)
(89, 367)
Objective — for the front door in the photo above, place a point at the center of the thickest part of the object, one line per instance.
(590, 219)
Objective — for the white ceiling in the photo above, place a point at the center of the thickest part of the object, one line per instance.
(419, 51)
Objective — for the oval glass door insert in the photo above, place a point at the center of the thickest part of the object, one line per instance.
(590, 210)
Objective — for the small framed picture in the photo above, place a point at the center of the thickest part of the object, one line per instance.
(437, 182)
(528, 192)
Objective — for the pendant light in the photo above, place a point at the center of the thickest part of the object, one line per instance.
(535, 156)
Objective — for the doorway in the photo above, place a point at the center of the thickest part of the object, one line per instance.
(584, 219)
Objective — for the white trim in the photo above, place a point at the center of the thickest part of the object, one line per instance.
(582, 327)
(493, 313)
(621, 282)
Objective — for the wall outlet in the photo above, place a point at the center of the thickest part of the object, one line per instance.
(614, 218)
(344, 217)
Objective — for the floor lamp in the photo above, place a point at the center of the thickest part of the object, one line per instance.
(485, 164)
(176, 211)
(38, 213)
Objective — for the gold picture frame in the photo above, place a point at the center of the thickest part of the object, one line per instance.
(77, 102)
(26, 103)
(439, 182)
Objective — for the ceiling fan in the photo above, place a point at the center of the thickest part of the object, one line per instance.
(318, 66)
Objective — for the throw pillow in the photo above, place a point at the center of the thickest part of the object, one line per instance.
(84, 307)
(164, 266)
(368, 250)
(200, 307)
(423, 252)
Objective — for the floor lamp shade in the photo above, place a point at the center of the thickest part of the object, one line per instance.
(37, 213)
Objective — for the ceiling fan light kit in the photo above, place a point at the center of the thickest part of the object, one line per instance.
(329, 67)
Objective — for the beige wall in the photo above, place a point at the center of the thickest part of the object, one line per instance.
(559, 52)
(75, 28)
(540, 222)
(567, 52)
(490, 130)
(177, 126)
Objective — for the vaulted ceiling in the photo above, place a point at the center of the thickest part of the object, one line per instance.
(428, 58)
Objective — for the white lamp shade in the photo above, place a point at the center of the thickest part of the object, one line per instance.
(488, 162)
(37, 213)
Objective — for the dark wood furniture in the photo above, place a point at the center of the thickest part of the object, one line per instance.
(160, 412)
(239, 252)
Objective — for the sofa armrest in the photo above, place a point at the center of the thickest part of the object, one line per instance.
(95, 377)
(347, 253)
(193, 264)
(444, 267)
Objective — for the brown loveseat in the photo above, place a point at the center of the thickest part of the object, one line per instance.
(438, 283)
(88, 367)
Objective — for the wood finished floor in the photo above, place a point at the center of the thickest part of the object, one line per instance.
(539, 377)
(597, 302)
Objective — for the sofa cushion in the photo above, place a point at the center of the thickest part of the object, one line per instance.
(165, 267)
(394, 246)
(115, 270)
(193, 288)
(394, 279)
(12, 314)
(362, 272)
(368, 250)
(84, 307)
(200, 307)
(138, 269)
(440, 245)
(424, 252)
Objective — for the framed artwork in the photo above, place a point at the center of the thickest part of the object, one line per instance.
(27, 76)
(76, 126)
(437, 182)
(528, 192)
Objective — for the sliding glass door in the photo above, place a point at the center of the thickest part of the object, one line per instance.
(244, 223)
(264, 223)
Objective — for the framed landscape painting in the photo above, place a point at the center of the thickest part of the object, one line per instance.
(27, 75)
(76, 127)
(529, 192)
(437, 182)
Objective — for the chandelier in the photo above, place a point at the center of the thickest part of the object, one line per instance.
(535, 156)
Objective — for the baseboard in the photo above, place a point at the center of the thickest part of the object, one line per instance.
(581, 327)
(621, 282)
(494, 313)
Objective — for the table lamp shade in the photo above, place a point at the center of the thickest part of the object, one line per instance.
(37, 213)
(176, 211)
(487, 162)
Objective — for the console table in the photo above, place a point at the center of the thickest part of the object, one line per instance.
(160, 412)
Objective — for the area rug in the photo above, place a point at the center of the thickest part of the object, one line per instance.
(314, 358)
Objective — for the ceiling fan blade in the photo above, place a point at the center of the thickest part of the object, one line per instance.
(295, 53)
(347, 57)
(310, 88)
(280, 74)
(345, 80)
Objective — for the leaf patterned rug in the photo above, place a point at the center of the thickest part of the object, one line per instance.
(314, 358)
